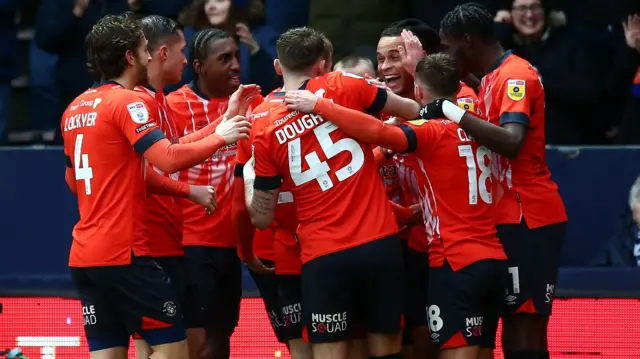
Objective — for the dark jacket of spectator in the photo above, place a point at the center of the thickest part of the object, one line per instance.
(628, 133)
(60, 32)
(619, 250)
(8, 40)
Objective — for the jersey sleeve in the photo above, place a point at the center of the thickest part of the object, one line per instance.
(138, 124)
(466, 98)
(370, 98)
(242, 157)
(267, 175)
(516, 98)
(422, 135)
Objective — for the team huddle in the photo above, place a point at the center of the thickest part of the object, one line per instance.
(383, 218)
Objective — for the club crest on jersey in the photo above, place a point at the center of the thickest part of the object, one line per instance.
(516, 89)
(466, 103)
(138, 112)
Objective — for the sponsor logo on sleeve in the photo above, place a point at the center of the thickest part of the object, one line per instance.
(138, 112)
(516, 89)
(466, 103)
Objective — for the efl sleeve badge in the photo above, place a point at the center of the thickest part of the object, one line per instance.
(466, 103)
(516, 89)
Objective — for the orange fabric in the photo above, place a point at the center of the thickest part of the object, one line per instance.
(193, 113)
(99, 129)
(338, 205)
(524, 186)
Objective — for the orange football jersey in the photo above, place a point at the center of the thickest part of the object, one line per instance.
(164, 215)
(193, 111)
(105, 131)
(512, 92)
(333, 178)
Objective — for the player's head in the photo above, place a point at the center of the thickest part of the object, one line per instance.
(389, 61)
(215, 58)
(356, 65)
(166, 46)
(467, 32)
(116, 47)
(303, 51)
(437, 76)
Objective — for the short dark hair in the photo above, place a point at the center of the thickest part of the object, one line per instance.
(353, 61)
(470, 18)
(157, 28)
(108, 42)
(440, 73)
(429, 37)
(301, 47)
(201, 40)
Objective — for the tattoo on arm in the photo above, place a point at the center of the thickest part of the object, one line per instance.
(262, 203)
(248, 192)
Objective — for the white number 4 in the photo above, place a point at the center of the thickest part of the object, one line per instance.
(81, 165)
(477, 184)
(319, 170)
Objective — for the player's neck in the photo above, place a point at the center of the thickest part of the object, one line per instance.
(209, 91)
(491, 57)
(156, 80)
(294, 81)
(126, 80)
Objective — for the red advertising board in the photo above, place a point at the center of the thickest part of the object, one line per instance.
(51, 328)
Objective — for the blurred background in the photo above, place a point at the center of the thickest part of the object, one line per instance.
(589, 68)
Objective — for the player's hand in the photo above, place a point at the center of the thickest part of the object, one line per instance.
(432, 110)
(234, 129)
(256, 266)
(393, 121)
(204, 195)
(411, 52)
(631, 29)
(246, 37)
(301, 100)
(416, 216)
(375, 82)
(240, 100)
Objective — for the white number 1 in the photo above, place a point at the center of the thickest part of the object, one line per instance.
(477, 184)
(81, 165)
(319, 170)
(515, 279)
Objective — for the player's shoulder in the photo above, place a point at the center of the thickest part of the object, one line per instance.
(466, 92)
(179, 95)
(517, 68)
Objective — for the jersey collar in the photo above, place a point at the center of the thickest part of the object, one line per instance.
(102, 83)
(502, 59)
(194, 87)
(282, 91)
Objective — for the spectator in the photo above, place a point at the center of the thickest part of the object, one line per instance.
(356, 65)
(629, 130)
(570, 70)
(623, 249)
(256, 41)
(44, 108)
(61, 27)
(8, 61)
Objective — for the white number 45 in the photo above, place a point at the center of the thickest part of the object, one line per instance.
(319, 170)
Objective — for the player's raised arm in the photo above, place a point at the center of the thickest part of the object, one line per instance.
(239, 103)
(203, 195)
(354, 123)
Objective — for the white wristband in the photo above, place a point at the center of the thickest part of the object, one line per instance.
(452, 111)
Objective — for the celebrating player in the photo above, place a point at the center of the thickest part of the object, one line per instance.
(166, 45)
(468, 264)
(530, 215)
(107, 131)
(209, 244)
(352, 260)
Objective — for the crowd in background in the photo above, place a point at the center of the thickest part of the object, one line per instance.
(589, 68)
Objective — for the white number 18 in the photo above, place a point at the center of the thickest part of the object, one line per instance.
(319, 170)
(477, 183)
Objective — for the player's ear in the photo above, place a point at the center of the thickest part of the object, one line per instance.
(130, 56)
(277, 67)
(197, 66)
(163, 51)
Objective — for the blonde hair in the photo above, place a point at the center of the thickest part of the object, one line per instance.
(634, 193)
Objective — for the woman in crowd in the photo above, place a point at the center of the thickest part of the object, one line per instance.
(244, 23)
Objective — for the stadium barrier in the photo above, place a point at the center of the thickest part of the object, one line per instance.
(596, 316)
